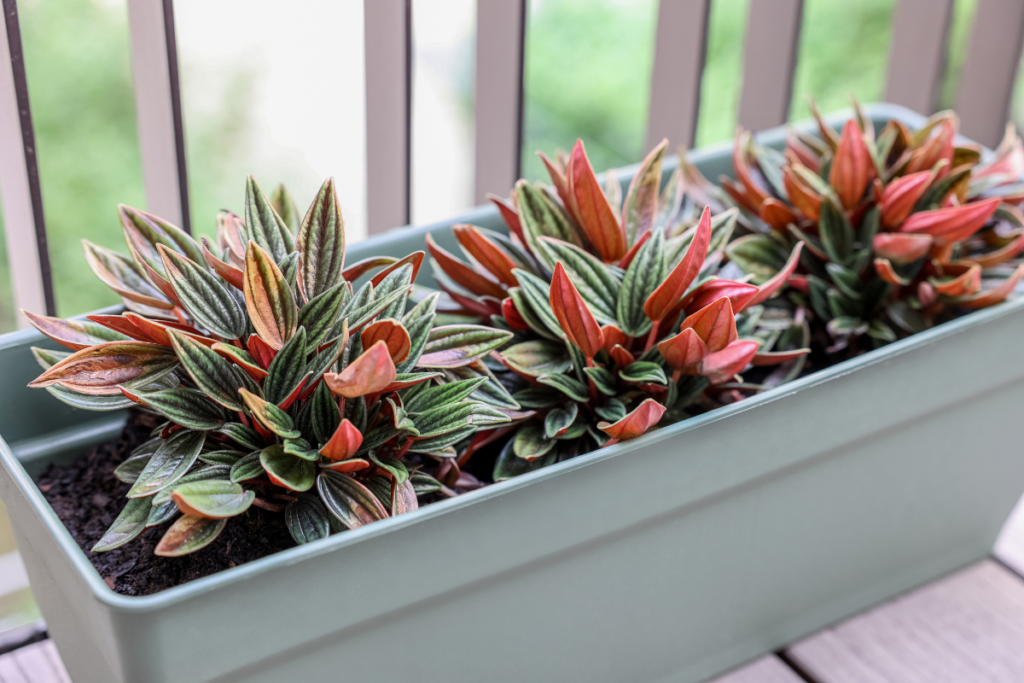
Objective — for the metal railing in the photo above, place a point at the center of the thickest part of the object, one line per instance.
(916, 68)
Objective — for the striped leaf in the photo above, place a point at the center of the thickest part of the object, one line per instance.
(437, 396)
(99, 370)
(286, 208)
(418, 322)
(126, 527)
(268, 298)
(645, 273)
(558, 420)
(265, 226)
(321, 244)
(491, 392)
(124, 277)
(594, 280)
(189, 408)
(321, 314)
(210, 472)
(537, 299)
(350, 502)
(540, 218)
(530, 443)
(306, 519)
(144, 232)
(74, 334)
(452, 346)
(287, 370)
(270, 416)
(209, 302)
(398, 280)
(538, 397)
(537, 357)
(247, 467)
(446, 419)
(573, 388)
(215, 377)
(189, 534)
(169, 463)
(641, 207)
(603, 379)
(643, 372)
(247, 437)
(225, 457)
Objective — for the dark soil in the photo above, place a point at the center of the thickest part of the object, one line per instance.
(87, 497)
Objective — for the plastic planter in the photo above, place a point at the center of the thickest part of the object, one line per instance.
(667, 558)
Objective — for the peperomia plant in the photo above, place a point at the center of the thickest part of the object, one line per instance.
(618, 320)
(283, 384)
(901, 229)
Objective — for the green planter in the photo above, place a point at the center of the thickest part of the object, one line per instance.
(667, 558)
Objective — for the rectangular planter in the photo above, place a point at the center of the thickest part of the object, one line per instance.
(667, 558)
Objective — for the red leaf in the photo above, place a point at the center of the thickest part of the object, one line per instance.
(561, 183)
(360, 268)
(344, 443)
(936, 149)
(803, 197)
(888, 273)
(777, 357)
(511, 315)
(234, 276)
(157, 330)
(574, 317)
(622, 357)
(902, 248)
(613, 336)
(768, 289)
(967, 282)
(296, 393)
(778, 215)
(723, 365)
(487, 253)
(851, 166)
(415, 258)
(954, 224)
(684, 350)
(371, 373)
(353, 465)
(392, 333)
(118, 323)
(672, 289)
(995, 295)
(739, 294)
(752, 192)
(260, 350)
(98, 370)
(596, 217)
(994, 258)
(463, 274)
(643, 417)
(510, 216)
(631, 254)
(901, 195)
(715, 324)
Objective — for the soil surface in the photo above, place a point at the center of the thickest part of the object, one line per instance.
(87, 498)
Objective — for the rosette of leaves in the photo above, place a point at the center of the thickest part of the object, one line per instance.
(284, 383)
(591, 289)
(901, 229)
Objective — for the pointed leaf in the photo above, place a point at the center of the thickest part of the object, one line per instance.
(598, 287)
(643, 417)
(188, 535)
(321, 244)
(214, 376)
(591, 207)
(537, 357)
(643, 372)
(203, 296)
(187, 407)
(684, 350)
(268, 298)
(100, 369)
(573, 316)
(169, 463)
(641, 208)
(644, 275)
(350, 502)
(270, 416)
(572, 388)
(451, 346)
(675, 284)
(266, 228)
(247, 467)
(715, 324)
(321, 314)
(126, 527)
(287, 370)
(74, 334)
(212, 499)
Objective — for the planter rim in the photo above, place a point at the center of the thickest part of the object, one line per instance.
(198, 587)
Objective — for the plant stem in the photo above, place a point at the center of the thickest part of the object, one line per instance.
(653, 336)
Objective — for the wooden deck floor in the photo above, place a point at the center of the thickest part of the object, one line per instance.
(965, 628)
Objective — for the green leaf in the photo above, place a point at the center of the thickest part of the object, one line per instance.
(321, 314)
(350, 502)
(188, 535)
(324, 414)
(321, 244)
(436, 396)
(199, 474)
(537, 322)
(287, 370)
(266, 228)
(847, 281)
(158, 514)
(143, 232)
(247, 437)
(819, 297)
(286, 208)
(418, 322)
(189, 408)
(509, 465)
(169, 463)
(224, 457)
(286, 470)
(540, 217)
(395, 467)
(536, 297)
(879, 330)
(301, 448)
(270, 416)
(559, 419)
(491, 392)
(593, 279)
(215, 499)
(306, 519)
(423, 483)
(613, 410)
(537, 357)
(215, 376)
(688, 389)
(836, 233)
(435, 445)
(757, 255)
(126, 527)
(572, 388)
(129, 470)
(645, 273)
(209, 302)
(603, 379)
(530, 442)
(247, 467)
(446, 419)
(842, 305)
(88, 402)
(453, 346)
(643, 372)
(538, 397)
(846, 324)
(398, 280)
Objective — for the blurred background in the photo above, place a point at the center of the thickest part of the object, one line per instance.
(281, 95)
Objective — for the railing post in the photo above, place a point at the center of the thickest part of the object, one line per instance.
(679, 51)
(917, 53)
(25, 228)
(388, 112)
(158, 109)
(769, 62)
(500, 36)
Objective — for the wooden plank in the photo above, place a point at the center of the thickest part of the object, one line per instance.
(24, 228)
(158, 109)
(917, 53)
(990, 70)
(966, 627)
(769, 60)
(500, 34)
(388, 108)
(765, 670)
(679, 51)
(35, 663)
(1010, 546)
